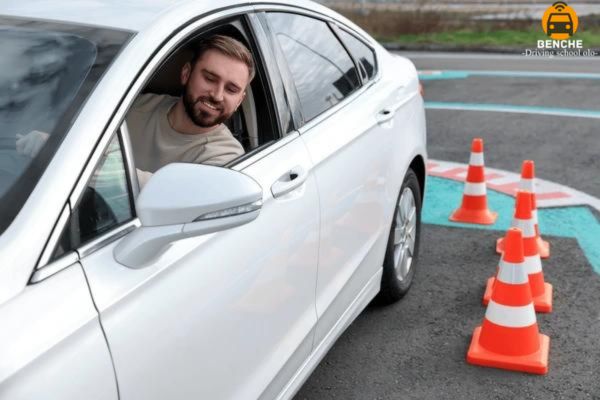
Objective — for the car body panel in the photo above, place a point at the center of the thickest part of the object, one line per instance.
(352, 152)
(222, 323)
(51, 342)
(364, 297)
(134, 15)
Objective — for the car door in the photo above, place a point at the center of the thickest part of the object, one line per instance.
(51, 341)
(348, 130)
(226, 315)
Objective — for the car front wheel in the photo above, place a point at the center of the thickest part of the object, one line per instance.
(402, 251)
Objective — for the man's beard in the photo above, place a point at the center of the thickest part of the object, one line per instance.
(202, 118)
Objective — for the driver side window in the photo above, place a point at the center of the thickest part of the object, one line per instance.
(105, 203)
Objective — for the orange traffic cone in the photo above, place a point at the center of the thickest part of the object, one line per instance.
(474, 209)
(509, 337)
(540, 290)
(528, 183)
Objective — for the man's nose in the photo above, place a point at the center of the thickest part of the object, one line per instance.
(217, 92)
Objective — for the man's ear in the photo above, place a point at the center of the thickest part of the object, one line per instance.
(186, 70)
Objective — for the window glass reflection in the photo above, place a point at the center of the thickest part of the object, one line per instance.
(362, 53)
(323, 72)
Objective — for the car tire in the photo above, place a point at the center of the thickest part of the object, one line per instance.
(401, 256)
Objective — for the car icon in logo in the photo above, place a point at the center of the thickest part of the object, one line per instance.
(559, 23)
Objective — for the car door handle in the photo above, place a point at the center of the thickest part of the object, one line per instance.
(289, 181)
(385, 114)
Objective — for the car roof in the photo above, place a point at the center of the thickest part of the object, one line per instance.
(133, 15)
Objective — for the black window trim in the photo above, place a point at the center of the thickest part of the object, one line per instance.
(291, 92)
(333, 27)
(260, 36)
(336, 26)
(261, 54)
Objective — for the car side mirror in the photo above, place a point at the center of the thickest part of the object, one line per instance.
(185, 200)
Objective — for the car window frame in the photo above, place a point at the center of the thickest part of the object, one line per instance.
(46, 266)
(304, 126)
(115, 231)
(335, 27)
(277, 86)
(282, 59)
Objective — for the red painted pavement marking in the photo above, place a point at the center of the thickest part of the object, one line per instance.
(506, 188)
(552, 196)
(509, 188)
(453, 173)
(494, 175)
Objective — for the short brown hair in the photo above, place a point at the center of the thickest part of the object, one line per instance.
(227, 46)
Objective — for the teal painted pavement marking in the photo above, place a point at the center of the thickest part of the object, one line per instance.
(564, 112)
(457, 74)
(442, 196)
(443, 75)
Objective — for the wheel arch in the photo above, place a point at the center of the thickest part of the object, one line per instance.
(418, 165)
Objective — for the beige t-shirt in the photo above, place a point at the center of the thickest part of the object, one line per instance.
(155, 144)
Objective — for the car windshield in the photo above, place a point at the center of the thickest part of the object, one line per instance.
(47, 70)
(560, 18)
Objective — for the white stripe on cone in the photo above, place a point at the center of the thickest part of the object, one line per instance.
(527, 184)
(534, 216)
(512, 273)
(476, 159)
(510, 316)
(474, 189)
(525, 225)
(532, 264)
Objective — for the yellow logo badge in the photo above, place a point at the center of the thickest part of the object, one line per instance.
(560, 21)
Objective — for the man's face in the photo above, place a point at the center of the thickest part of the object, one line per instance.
(213, 88)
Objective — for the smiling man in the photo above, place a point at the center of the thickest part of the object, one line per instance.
(166, 129)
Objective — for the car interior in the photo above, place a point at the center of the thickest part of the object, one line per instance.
(253, 124)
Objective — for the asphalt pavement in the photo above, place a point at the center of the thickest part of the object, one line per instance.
(416, 348)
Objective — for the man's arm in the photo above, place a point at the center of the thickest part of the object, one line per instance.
(222, 149)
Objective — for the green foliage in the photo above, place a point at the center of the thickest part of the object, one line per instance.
(471, 37)
(461, 28)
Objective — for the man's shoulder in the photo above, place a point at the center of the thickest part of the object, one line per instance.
(150, 102)
(221, 132)
(221, 136)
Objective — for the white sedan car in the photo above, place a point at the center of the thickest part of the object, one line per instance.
(211, 282)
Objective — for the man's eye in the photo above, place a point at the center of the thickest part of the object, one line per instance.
(232, 90)
(210, 79)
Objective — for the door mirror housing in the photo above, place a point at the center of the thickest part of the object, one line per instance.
(185, 200)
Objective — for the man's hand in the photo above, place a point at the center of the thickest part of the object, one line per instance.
(31, 144)
(143, 177)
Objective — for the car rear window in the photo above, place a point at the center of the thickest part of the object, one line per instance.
(47, 70)
(363, 54)
(322, 70)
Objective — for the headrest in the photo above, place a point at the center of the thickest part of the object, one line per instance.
(167, 78)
